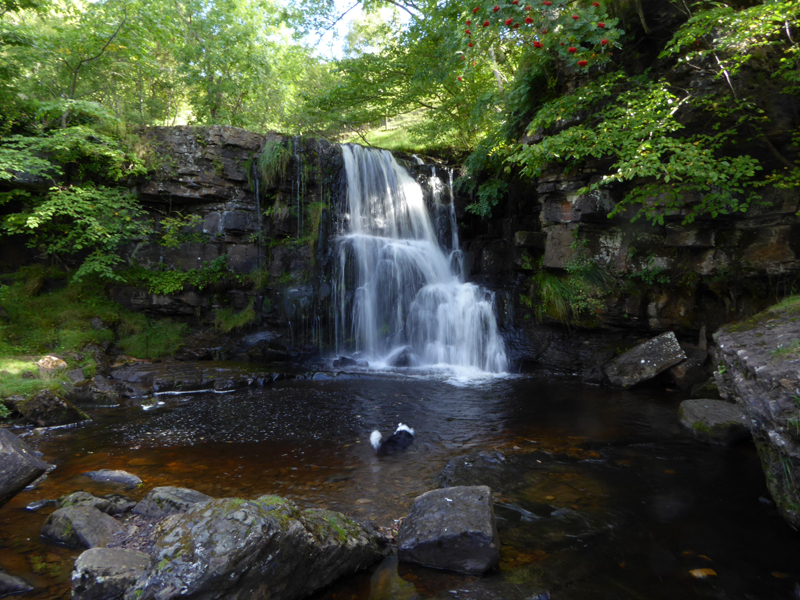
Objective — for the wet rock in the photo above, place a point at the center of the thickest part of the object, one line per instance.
(402, 358)
(714, 421)
(706, 389)
(691, 371)
(19, 465)
(264, 548)
(645, 361)
(117, 477)
(80, 527)
(112, 504)
(47, 409)
(11, 585)
(161, 502)
(452, 528)
(37, 505)
(105, 573)
(76, 375)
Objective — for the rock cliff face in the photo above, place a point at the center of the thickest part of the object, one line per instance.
(760, 371)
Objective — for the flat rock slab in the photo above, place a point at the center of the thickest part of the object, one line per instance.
(19, 465)
(451, 528)
(714, 421)
(645, 361)
(80, 527)
(267, 548)
(161, 502)
(11, 585)
(105, 573)
(111, 504)
(122, 478)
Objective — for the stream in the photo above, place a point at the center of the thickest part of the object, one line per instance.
(598, 493)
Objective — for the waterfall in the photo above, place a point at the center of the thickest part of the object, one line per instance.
(397, 298)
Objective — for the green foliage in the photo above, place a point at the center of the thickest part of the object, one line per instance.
(226, 320)
(142, 337)
(489, 194)
(165, 281)
(273, 162)
(173, 230)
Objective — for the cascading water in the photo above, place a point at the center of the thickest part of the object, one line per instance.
(397, 297)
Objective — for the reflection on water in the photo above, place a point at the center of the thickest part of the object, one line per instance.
(600, 495)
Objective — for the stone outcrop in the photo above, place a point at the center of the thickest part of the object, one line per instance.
(645, 361)
(451, 528)
(80, 527)
(111, 504)
(105, 573)
(47, 409)
(263, 548)
(161, 502)
(714, 421)
(19, 465)
(760, 371)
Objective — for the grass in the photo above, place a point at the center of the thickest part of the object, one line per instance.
(148, 338)
(272, 162)
(226, 320)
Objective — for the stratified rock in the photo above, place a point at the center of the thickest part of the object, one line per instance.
(760, 371)
(117, 477)
(252, 549)
(714, 421)
(645, 361)
(161, 502)
(105, 573)
(19, 465)
(690, 372)
(452, 528)
(112, 504)
(80, 527)
(11, 585)
(47, 409)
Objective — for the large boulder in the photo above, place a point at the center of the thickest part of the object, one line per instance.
(451, 528)
(19, 465)
(105, 573)
(714, 421)
(264, 548)
(161, 502)
(645, 361)
(80, 527)
(47, 409)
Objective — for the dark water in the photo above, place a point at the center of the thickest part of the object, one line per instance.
(608, 497)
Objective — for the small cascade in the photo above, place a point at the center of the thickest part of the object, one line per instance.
(397, 298)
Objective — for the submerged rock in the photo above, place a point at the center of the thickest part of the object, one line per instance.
(80, 527)
(19, 465)
(714, 421)
(264, 548)
(112, 504)
(113, 476)
(645, 361)
(105, 573)
(47, 409)
(11, 585)
(161, 502)
(451, 528)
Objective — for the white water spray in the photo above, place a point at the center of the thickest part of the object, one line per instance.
(398, 297)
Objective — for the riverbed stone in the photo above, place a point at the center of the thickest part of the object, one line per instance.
(105, 573)
(114, 476)
(19, 465)
(112, 504)
(161, 502)
(80, 527)
(714, 421)
(10, 585)
(451, 528)
(48, 409)
(645, 361)
(237, 549)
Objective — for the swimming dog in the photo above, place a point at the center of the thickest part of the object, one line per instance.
(400, 440)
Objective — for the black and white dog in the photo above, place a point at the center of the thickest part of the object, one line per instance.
(400, 440)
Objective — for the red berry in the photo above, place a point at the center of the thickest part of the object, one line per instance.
(528, 20)
(601, 25)
(496, 8)
(486, 23)
(473, 63)
(509, 22)
(596, 4)
(527, 8)
(562, 43)
(572, 49)
(476, 9)
(516, 25)
(537, 44)
(469, 22)
(547, 3)
(582, 63)
(515, 2)
(544, 30)
(575, 17)
(467, 31)
(470, 44)
(463, 57)
(603, 42)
